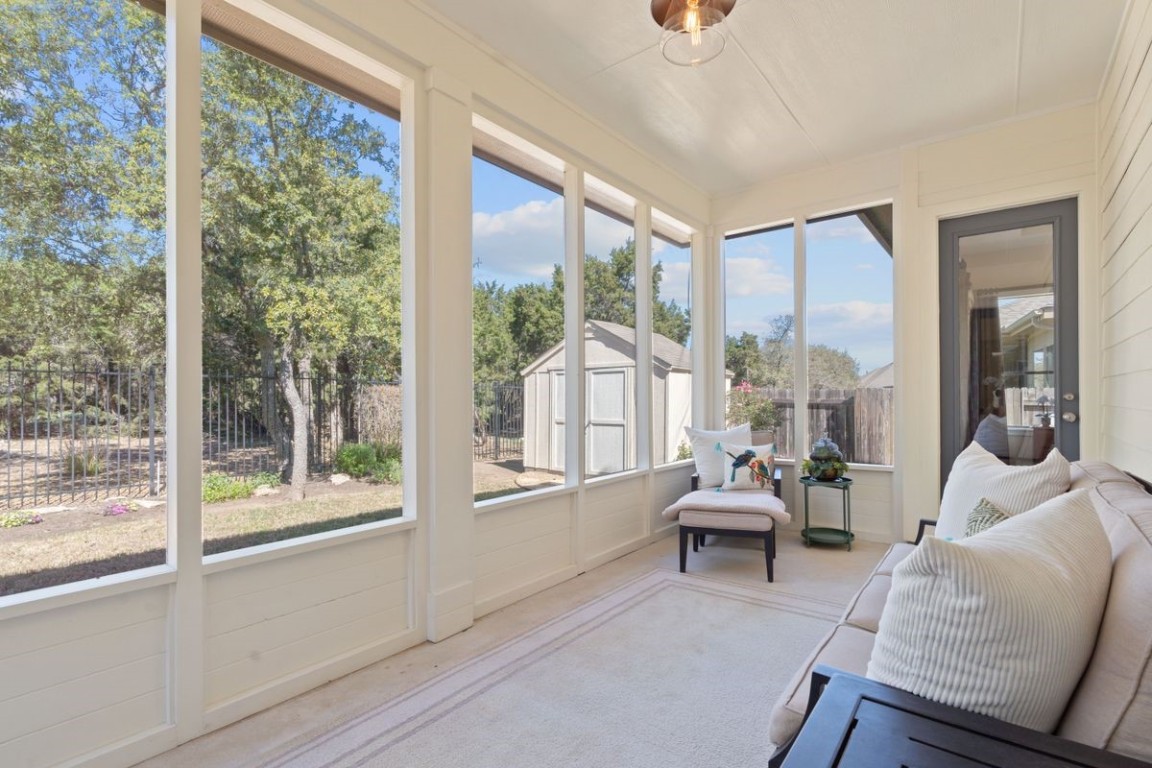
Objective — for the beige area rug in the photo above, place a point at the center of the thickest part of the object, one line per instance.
(668, 670)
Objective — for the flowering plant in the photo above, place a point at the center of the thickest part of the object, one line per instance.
(749, 404)
(119, 507)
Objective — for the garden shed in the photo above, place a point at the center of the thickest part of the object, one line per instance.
(610, 367)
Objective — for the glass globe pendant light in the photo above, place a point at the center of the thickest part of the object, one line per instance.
(693, 30)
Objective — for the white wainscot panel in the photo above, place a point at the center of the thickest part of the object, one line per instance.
(668, 485)
(615, 518)
(871, 506)
(79, 678)
(521, 549)
(276, 620)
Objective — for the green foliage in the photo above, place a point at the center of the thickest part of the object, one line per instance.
(269, 479)
(749, 404)
(380, 462)
(825, 462)
(356, 459)
(217, 486)
(82, 460)
(19, 518)
(769, 362)
(683, 451)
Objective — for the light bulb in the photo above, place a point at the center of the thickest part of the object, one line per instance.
(692, 21)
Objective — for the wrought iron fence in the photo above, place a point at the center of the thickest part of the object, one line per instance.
(73, 435)
(498, 421)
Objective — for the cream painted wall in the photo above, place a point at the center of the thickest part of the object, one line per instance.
(1043, 158)
(1124, 116)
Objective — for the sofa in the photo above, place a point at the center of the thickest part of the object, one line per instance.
(1111, 707)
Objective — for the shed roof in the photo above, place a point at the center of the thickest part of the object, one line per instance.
(666, 354)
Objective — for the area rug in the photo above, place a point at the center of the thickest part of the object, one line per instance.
(668, 670)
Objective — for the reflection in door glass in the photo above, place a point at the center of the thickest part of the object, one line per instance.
(1007, 345)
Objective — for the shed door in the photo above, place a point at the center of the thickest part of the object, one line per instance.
(607, 420)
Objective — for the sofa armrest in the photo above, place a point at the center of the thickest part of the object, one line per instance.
(821, 675)
(924, 523)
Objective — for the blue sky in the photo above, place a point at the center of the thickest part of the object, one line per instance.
(518, 235)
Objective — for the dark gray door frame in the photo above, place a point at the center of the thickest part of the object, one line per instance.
(1062, 215)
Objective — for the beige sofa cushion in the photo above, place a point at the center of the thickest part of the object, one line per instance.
(895, 554)
(846, 648)
(865, 609)
(1089, 474)
(1112, 707)
(1004, 622)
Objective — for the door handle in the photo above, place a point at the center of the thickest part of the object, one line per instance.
(1069, 417)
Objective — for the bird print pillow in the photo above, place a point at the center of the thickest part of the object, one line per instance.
(749, 467)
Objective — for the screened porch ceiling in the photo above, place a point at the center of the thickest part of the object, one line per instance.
(802, 83)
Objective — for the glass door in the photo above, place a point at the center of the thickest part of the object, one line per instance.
(1008, 333)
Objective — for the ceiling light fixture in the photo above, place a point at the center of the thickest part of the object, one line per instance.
(693, 33)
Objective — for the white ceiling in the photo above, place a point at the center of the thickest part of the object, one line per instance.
(802, 83)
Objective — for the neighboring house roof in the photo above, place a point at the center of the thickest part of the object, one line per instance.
(1015, 311)
(666, 354)
(880, 378)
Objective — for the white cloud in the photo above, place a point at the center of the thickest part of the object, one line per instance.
(674, 286)
(745, 276)
(521, 244)
(847, 228)
(863, 266)
(862, 328)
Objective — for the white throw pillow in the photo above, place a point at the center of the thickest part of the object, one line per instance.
(978, 474)
(708, 451)
(748, 472)
(1002, 623)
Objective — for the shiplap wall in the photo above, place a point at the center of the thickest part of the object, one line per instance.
(1124, 122)
(75, 680)
(267, 621)
(522, 546)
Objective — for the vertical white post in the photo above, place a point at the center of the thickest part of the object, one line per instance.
(443, 377)
(183, 384)
(574, 377)
(644, 302)
(708, 393)
(800, 348)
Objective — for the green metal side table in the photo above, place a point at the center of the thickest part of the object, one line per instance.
(829, 535)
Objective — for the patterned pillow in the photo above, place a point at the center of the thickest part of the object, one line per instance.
(1003, 623)
(984, 516)
(749, 467)
(708, 451)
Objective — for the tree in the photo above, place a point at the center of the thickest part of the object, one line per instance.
(770, 362)
(300, 235)
(81, 183)
(301, 256)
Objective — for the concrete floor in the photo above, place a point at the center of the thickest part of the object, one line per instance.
(826, 574)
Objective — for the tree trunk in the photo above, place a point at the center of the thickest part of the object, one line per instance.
(299, 413)
(270, 414)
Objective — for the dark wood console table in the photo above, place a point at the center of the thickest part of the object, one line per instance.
(860, 723)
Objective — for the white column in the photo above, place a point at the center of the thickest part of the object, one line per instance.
(708, 395)
(644, 430)
(183, 383)
(575, 382)
(800, 348)
(443, 357)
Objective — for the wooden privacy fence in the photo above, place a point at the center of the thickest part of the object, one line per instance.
(860, 421)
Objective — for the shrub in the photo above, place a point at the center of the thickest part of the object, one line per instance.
(82, 461)
(379, 462)
(684, 451)
(747, 403)
(356, 459)
(270, 479)
(217, 486)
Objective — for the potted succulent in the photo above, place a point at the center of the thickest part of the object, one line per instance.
(825, 462)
